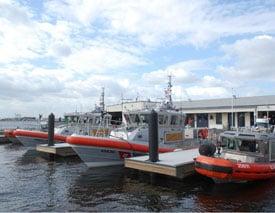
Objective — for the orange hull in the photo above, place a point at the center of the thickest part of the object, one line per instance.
(225, 170)
(111, 143)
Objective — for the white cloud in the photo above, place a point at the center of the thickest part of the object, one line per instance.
(199, 92)
(211, 81)
(156, 22)
(99, 57)
(26, 83)
(182, 72)
(65, 52)
(250, 59)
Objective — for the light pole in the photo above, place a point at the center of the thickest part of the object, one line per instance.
(232, 113)
(232, 118)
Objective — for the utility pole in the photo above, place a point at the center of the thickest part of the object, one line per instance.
(232, 113)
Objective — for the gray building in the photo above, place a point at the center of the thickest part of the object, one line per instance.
(217, 113)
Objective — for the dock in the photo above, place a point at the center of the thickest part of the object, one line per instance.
(3, 139)
(177, 164)
(61, 149)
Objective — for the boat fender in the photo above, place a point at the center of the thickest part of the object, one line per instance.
(207, 149)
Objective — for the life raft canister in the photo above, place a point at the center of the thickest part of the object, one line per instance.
(203, 133)
(207, 149)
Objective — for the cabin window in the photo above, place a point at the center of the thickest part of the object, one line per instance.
(248, 146)
(97, 120)
(218, 118)
(224, 141)
(107, 120)
(144, 118)
(132, 117)
(127, 118)
(135, 118)
(231, 144)
(174, 120)
(161, 119)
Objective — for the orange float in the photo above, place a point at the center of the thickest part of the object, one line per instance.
(111, 143)
(37, 134)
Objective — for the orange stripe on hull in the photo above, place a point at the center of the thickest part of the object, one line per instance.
(111, 143)
(8, 133)
(38, 134)
(222, 169)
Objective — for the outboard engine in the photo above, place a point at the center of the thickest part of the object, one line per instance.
(208, 149)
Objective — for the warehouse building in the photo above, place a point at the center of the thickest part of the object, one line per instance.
(213, 113)
(217, 113)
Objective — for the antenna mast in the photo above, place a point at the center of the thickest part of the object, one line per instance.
(168, 94)
(101, 102)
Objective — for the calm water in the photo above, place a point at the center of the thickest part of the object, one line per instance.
(29, 182)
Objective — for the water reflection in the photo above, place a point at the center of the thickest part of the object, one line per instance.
(237, 197)
(119, 189)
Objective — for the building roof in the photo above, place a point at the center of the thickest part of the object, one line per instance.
(227, 102)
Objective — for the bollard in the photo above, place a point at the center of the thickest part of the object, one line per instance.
(153, 137)
(51, 130)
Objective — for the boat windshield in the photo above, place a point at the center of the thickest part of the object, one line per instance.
(145, 118)
(175, 120)
(135, 118)
(127, 119)
(97, 120)
(240, 145)
(90, 120)
(163, 119)
(261, 125)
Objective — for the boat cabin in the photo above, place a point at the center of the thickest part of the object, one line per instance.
(93, 119)
(165, 118)
(247, 147)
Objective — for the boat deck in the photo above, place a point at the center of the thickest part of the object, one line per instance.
(61, 149)
(177, 164)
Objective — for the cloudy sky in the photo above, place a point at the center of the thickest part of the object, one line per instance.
(56, 55)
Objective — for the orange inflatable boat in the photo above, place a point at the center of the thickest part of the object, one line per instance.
(244, 157)
(226, 170)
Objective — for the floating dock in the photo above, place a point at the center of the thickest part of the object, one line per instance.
(61, 149)
(3, 139)
(177, 164)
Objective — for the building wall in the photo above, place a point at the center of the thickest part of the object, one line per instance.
(225, 120)
(212, 122)
(247, 119)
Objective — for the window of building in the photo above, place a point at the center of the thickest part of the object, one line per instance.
(241, 119)
(202, 120)
(218, 118)
(251, 118)
(230, 119)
